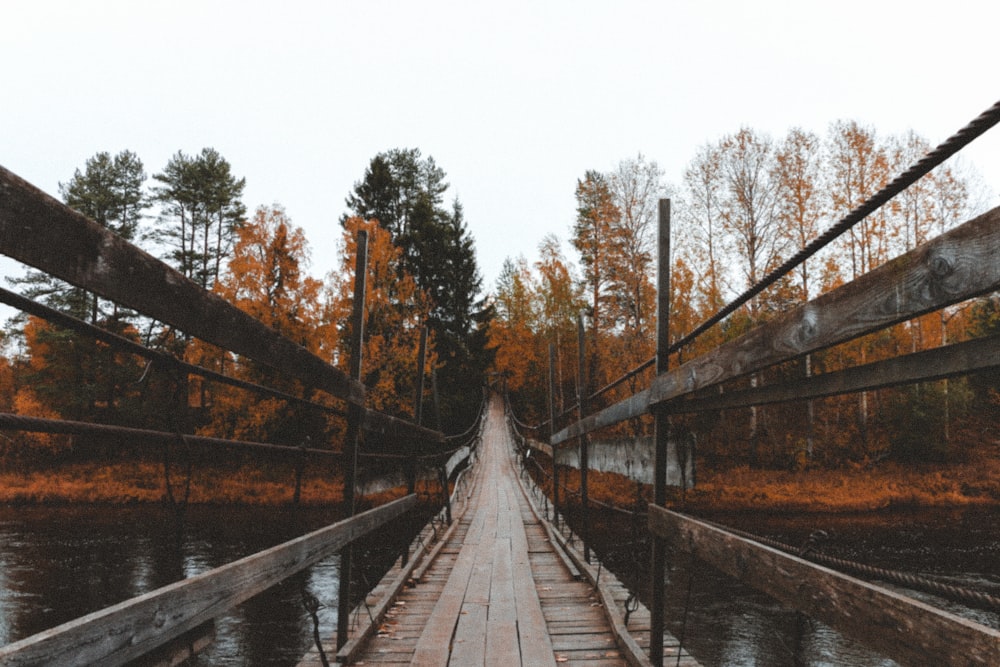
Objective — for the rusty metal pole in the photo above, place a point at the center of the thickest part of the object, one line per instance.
(418, 413)
(662, 434)
(552, 431)
(355, 416)
(581, 393)
(418, 401)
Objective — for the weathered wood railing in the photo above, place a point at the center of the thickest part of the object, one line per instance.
(41, 232)
(131, 629)
(956, 266)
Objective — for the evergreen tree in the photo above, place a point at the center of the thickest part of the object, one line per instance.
(404, 192)
(201, 210)
(109, 191)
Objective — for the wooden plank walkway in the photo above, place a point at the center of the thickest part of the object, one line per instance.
(497, 592)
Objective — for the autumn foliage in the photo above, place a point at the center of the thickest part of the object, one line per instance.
(747, 202)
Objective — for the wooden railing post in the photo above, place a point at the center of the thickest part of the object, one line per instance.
(418, 400)
(662, 434)
(552, 430)
(418, 414)
(355, 417)
(581, 393)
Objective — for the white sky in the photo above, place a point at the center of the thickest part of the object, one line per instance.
(514, 100)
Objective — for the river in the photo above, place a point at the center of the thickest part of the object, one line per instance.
(727, 623)
(59, 563)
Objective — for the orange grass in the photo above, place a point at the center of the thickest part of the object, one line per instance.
(976, 482)
(142, 482)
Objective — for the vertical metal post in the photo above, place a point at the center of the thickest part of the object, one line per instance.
(552, 431)
(418, 401)
(418, 413)
(662, 431)
(355, 416)
(443, 478)
(437, 400)
(581, 394)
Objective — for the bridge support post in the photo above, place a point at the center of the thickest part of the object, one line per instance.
(418, 414)
(355, 416)
(662, 430)
(552, 430)
(443, 477)
(581, 390)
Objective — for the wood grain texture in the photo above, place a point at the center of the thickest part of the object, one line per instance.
(42, 232)
(123, 632)
(958, 265)
(497, 592)
(897, 626)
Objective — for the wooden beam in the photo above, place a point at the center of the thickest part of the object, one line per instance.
(44, 233)
(972, 356)
(395, 428)
(897, 626)
(635, 405)
(125, 631)
(951, 268)
(958, 265)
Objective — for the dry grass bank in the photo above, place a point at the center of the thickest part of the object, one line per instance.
(974, 482)
(141, 482)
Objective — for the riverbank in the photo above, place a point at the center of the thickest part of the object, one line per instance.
(975, 482)
(136, 482)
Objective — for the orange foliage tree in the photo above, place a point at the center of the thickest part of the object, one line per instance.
(395, 311)
(266, 278)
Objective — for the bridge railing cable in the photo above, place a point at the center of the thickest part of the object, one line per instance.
(810, 551)
(947, 149)
(45, 234)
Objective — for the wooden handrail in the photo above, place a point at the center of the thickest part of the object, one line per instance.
(897, 626)
(953, 267)
(130, 629)
(42, 232)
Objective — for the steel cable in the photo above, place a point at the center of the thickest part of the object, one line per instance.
(918, 170)
(917, 582)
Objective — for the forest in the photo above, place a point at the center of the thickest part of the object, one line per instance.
(422, 274)
(745, 203)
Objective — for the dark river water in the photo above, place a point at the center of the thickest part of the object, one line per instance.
(725, 622)
(59, 563)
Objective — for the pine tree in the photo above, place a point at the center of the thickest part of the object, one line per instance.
(404, 192)
(201, 210)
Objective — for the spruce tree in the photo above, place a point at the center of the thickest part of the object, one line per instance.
(404, 192)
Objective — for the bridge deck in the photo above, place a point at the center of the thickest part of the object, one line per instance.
(497, 592)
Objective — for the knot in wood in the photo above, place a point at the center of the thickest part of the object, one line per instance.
(941, 266)
(807, 328)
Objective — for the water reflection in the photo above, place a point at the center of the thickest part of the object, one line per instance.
(57, 564)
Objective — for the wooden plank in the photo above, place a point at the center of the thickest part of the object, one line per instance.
(40, 231)
(44, 233)
(953, 267)
(388, 591)
(536, 645)
(972, 356)
(433, 648)
(901, 628)
(128, 630)
(502, 643)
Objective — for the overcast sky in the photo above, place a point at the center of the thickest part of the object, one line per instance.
(514, 100)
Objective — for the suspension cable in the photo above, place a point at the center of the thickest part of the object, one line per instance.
(917, 582)
(918, 170)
